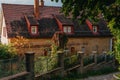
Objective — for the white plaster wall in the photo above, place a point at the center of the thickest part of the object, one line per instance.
(4, 39)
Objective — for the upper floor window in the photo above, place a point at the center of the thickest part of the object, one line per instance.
(34, 29)
(67, 29)
(95, 29)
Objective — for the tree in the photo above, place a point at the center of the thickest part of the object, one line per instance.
(93, 9)
(60, 39)
(19, 42)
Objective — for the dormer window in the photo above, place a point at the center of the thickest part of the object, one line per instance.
(95, 29)
(32, 25)
(34, 30)
(67, 29)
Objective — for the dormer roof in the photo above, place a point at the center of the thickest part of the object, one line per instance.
(31, 20)
(63, 20)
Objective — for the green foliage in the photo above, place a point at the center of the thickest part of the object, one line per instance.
(54, 49)
(116, 31)
(70, 61)
(88, 60)
(40, 65)
(59, 42)
(7, 51)
(44, 64)
(11, 66)
(92, 8)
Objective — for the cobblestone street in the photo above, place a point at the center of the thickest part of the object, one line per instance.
(102, 77)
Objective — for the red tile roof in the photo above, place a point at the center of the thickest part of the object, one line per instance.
(16, 24)
(14, 12)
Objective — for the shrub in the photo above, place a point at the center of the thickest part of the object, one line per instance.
(7, 51)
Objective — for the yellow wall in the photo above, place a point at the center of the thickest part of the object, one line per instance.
(89, 44)
(31, 45)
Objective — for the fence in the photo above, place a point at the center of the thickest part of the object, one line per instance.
(70, 61)
(64, 64)
(11, 66)
(17, 68)
(45, 66)
(88, 60)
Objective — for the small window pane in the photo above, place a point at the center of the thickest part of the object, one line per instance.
(69, 29)
(33, 29)
(65, 29)
(94, 28)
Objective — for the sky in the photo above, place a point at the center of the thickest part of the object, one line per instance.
(29, 2)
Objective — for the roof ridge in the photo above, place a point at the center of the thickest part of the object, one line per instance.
(28, 5)
(16, 4)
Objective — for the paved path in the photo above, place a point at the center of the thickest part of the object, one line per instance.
(102, 77)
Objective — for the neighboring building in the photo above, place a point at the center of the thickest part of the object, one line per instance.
(38, 23)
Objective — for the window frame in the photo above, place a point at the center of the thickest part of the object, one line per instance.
(33, 30)
(95, 29)
(67, 29)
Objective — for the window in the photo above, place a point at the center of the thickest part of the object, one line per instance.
(34, 29)
(94, 28)
(83, 49)
(67, 29)
(72, 49)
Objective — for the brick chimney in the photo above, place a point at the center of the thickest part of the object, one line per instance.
(41, 3)
(36, 8)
